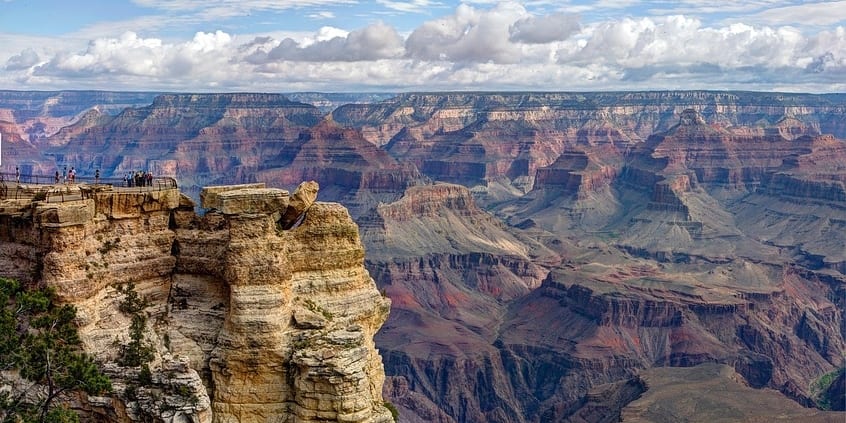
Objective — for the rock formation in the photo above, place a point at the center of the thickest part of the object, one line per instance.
(728, 399)
(350, 169)
(246, 321)
(543, 251)
(499, 140)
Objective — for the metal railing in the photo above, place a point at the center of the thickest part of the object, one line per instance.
(59, 187)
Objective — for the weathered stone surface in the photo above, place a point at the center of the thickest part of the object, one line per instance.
(120, 204)
(303, 198)
(209, 195)
(677, 226)
(252, 200)
(186, 202)
(308, 319)
(65, 214)
(246, 322)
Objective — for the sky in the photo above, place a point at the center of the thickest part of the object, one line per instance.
(422, 45)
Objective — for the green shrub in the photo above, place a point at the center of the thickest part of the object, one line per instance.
(39, 339)
(132, 303)
(820, 391)
(138, 351)
(393, 410)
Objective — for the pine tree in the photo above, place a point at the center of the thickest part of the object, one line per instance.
(39, 339)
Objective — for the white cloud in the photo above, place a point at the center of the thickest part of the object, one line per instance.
(23, 60)
(322, 15)
(412, 6)
(825, 13)
(327, 33)
(678, 40)
(544, 29)
(470, 35)
(504, 46)
(147, 57)
(377, 41)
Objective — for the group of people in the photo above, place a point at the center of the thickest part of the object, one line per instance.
(138, 179)
(67, 176)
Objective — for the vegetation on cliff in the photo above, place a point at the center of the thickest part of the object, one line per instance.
(39, 340)
(827, 391)
(139, 351)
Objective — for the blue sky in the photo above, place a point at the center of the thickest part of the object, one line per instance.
(392, 45)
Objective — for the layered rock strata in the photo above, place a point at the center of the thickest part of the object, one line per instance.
(729, 399)
(677, 227)
(247, 321)
(451, 269)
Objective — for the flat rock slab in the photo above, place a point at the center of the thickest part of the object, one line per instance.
(208, 196)
(253, 200)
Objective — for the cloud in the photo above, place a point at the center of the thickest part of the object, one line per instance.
(684, 41)
(544, 29)
(470, 35)
(374, 42)
(24, 60)
(132, 55)
(707, 7)
(322, 15)
(825, 13)
(413, 6)
(241, 6)
(820, 63)
(487, 47)
(828, 48)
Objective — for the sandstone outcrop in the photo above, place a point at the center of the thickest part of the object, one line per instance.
(301, 200)
(247, 322)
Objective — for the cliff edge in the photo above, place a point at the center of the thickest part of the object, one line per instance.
(260, 309)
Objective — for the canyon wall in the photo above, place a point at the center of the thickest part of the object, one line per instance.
(247, 321)
(544, 253)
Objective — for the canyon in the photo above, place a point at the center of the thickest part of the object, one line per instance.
(547, 256)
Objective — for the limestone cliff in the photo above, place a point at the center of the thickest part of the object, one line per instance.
(246, 321)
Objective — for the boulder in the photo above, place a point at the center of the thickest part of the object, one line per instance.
(303, 198)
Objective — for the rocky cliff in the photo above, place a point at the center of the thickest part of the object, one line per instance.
(544, 252)
(500, 140)
(201, 139)
(244, 320)
(29, 118)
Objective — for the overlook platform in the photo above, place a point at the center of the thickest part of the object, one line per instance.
(44, 187)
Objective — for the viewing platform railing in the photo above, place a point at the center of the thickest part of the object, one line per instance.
(19, 186)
